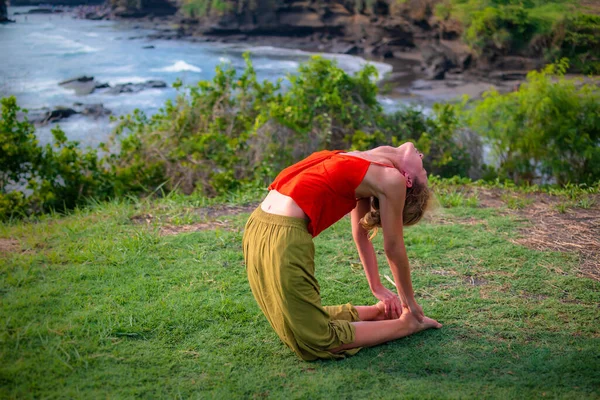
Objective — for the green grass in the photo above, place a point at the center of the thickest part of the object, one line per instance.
(96, 306)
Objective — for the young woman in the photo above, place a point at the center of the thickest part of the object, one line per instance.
(385, 187)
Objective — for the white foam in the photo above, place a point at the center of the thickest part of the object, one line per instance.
(348, 63)
(386, 101)
(354, 64)
(68, 45)
(179, 66)
(224, 60)
(279, 65)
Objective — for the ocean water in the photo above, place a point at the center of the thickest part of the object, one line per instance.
(39, 51)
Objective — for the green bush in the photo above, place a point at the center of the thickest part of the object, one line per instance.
(20, 151)
(550, 29)
(36, 179)
(437, 136)
(547, 130)
(204, 8)
(234, 130)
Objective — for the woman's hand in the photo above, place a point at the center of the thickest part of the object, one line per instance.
(391, 302)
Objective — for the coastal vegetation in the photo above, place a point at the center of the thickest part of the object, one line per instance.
(235, 131)
(536, 29)
(550, 29)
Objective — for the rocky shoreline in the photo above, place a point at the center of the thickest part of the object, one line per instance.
(4, 13)
(426, 66)
(440, 70)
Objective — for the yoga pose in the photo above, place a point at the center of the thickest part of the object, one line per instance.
(382, 188)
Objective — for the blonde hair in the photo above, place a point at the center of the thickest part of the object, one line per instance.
(415, 205)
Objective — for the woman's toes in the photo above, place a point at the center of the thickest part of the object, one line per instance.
(431, 323)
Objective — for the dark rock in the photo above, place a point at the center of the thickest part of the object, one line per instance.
(138, 9)
(82, 78)
(508, 75)
(4, 12)
(56, 115)
(154, 84)
(95, 110)
(41, 11)
(94, 16)
(465, 61)
(148, 47)
(60, 113)
(515, 63)
(123, 88)
(438, 59)
(82, 85)
(438, 68)
(102, 85)
(136, 87)
(345, 48)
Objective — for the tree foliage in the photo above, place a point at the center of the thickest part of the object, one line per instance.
(235, 130)
(549, 129)
(551, 29)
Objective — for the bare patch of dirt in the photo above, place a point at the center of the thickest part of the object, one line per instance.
(9, 246)
(489, 198)
(474, 281)
(575, 230)
(440, 219)
(166, 230)
(533, 296)
(212, 219)
(443, 272)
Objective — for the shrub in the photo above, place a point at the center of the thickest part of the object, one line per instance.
(234, 130)
(550, 29)
(438, 136)
(36, 179)
(547, 130)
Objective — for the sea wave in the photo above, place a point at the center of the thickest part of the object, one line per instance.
(348, 63)
(179, 66)
(69, 46)
(279, 65)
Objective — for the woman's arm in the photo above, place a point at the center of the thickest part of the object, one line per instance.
(368, 258)
(391, 205)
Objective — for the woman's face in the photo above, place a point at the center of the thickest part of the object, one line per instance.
(411, 161)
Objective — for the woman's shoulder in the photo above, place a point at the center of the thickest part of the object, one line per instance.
(379, 155)
(386, 181)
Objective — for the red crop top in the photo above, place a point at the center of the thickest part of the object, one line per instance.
(323, 185)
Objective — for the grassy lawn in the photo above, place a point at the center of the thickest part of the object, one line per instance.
(104, 304)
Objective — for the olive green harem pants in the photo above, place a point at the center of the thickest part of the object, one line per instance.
(279, 254)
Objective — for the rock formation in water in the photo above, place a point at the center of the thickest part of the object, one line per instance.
(142, 8)
(84, 85)
(384, 28)
(4, 12)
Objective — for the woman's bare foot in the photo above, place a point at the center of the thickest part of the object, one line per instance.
(416, 326)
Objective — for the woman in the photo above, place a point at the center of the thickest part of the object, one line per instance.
(385, 187)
